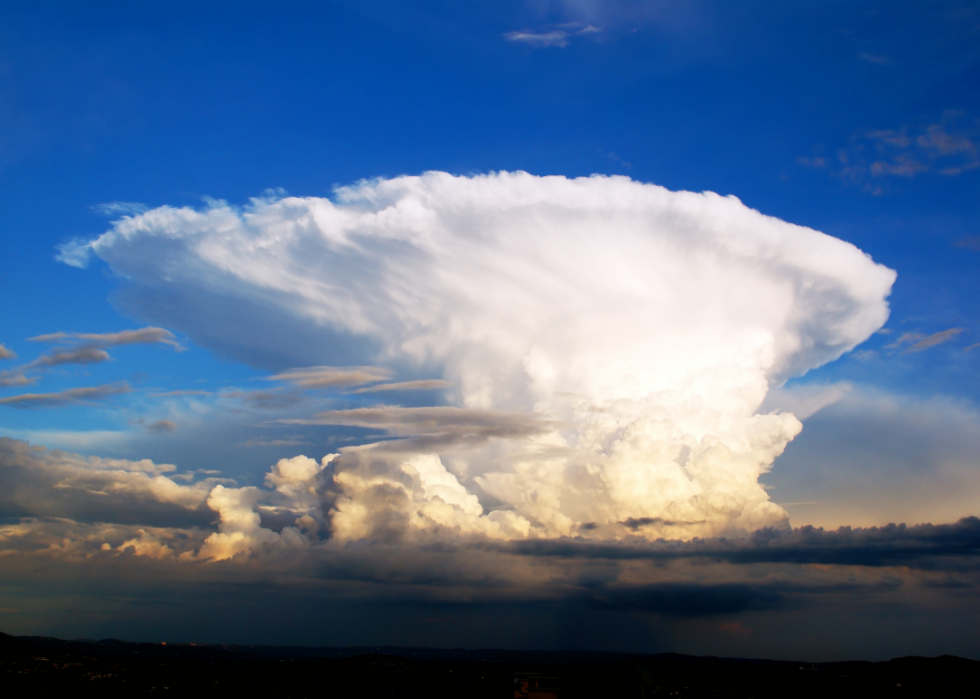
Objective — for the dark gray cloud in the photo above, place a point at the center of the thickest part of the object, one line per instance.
(924, 546)
(71, 396)
(82, 355)
(38, 483)
(129, 526)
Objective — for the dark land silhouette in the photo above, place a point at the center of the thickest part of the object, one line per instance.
(32, 666)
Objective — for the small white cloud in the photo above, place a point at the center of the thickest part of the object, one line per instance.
(74, 253)
(539, 39)
(6, 353)
(120, 208)
(554, 35)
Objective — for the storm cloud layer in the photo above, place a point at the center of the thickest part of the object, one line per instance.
(609, 343)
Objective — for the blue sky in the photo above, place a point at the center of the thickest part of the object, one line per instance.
(860, 120)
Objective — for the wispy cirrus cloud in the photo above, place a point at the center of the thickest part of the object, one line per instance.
(141, 336)
(71, 396)
(266, 400)
(120, 208)
(282, 442)
(441, 420)
(551, 35)
(82, 355)
(918, 342)
(876, 58)
(16, 377)
(421, 385)
(970, 243)
(83, 349)
(331, 377)
(948, 147)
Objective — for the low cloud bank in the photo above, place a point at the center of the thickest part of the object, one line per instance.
(315, 529)
(609, 342)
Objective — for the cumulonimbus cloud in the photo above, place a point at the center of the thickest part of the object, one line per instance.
(643, 326)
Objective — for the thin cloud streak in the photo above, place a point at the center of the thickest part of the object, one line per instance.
(71, 396)
(421, 385)
(557, 35)
(142, 336)
(918, 342)
(83, 355)
(319, 377)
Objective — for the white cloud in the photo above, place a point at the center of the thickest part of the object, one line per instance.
(120, 208)
(6, 353)
(804, 401)
(556, 35)
(74, 253)
(631, 332)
